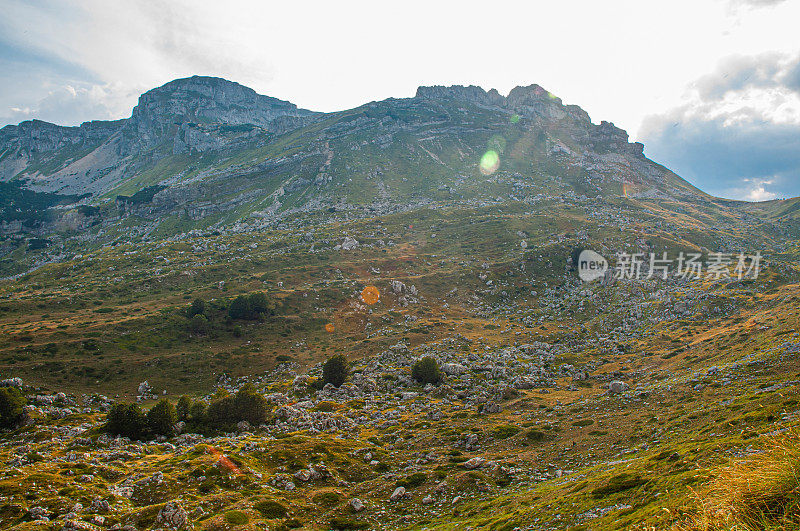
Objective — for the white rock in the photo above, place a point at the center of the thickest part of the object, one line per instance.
(398, 493)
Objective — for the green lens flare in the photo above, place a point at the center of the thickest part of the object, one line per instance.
(489, 162)
(514, 118)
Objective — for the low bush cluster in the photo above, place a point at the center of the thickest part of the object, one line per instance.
(222, 413)
(252, 306)
(12, 407)
(426, 371)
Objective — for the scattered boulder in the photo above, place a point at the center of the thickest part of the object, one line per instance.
(356, 505)
(617, 387)
(172, 516)
(475, 462)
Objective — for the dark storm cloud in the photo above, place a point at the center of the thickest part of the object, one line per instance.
(740, 135)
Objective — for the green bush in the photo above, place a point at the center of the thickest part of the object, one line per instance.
(12, 407)
(183, 407)
(270, 509)
(198, 307)
(251, 406)
(197, 412)
(412, 481)
(161, 418)
(127, 420)
(335, 370)
(219, 412)
(251, 306)
(505, 431)
(198, 324)
(426, 371)
(535, 435)
(237, 517)
(247, 404)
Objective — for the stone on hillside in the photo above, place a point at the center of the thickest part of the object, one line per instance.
(349, 244)
(172, 516)
(398, 493)
(144, 388)
(617, 387)
(11, 382)
(453, 369)
(427, 500)
(357, 505)
(475, 462)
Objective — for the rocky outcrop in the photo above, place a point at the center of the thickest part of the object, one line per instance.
(184, 108)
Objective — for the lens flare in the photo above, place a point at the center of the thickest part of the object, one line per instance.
(370, 295)
(490, 161)
(329, 327)
(514, 118)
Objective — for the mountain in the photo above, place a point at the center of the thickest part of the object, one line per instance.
(220, 246)
(222, 153)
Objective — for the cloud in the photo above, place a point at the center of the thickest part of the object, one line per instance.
(72, 104)
(738, 135)
(757, 3)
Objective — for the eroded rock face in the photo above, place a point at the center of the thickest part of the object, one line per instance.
(198, 100)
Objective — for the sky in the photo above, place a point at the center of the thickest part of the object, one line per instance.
(711, 87)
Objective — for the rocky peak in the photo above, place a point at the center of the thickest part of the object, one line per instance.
(37, 136)
(471, 93)
(206, 100)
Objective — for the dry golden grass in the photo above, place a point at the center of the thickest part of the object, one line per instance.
(761, 492)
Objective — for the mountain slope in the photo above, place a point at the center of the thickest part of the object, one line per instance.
(193, 133)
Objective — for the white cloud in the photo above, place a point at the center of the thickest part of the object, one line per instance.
(737, 134)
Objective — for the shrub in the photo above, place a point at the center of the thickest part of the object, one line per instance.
(259, 303)
(198, 307)
(505, 431)
(251, 306)
(161, 417)
(226, 410)
(183, 407)
(237, 517)
(327, 499)
(251, 406)
(220, 412)
(127, 420)
(240, 308)
(426, 371)
(198, 324)
(335, 370)
(12, 407)
(197, 412)
(535, 435)
(414, 480)
(270, 509)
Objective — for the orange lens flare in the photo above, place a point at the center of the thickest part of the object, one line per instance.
(370, 295)
(329, 327)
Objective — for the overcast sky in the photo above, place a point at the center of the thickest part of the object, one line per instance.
(712, 87)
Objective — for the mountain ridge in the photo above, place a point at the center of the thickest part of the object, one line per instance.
(203, 152)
